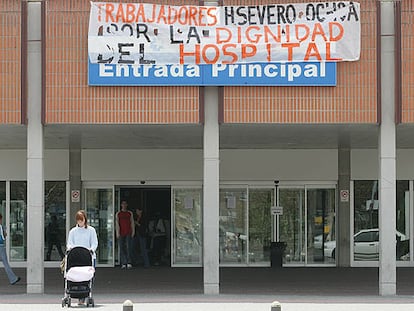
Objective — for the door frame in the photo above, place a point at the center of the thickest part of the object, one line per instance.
(100, 185)
(305, 186)
(367, 263)
(172, 234)
(249, 186)
(117, 188)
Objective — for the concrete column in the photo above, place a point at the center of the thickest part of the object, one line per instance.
(211, 193)
(211, 181)
(75, 173)
(387, 155)
(35, 178)
(343, 232)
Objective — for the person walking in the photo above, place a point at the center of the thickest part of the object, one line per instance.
(13, 278)
(125, 231)
(83, 235)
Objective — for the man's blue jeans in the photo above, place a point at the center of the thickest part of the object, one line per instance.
(144, 252)
(125, 250)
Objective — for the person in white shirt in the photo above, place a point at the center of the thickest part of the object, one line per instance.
(13, 278)
(83, 235)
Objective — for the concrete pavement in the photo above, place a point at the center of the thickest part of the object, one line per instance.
(242, 289)
(223, 302)
(221, 306)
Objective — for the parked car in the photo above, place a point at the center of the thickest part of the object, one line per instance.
(366, 245)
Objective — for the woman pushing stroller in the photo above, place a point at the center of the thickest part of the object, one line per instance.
(83, 235)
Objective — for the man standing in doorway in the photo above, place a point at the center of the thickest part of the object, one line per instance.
(125, 231)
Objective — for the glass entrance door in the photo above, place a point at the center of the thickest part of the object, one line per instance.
(245, 225)
(187, 226)
(260, 227)
(320, 225)
(307, 224)
(292, 224)
(233, 226)
(100, 210)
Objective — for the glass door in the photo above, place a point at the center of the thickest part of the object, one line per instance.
(403, 220)
(187, 226)
(292, 224)
(260, 224)
(100, 211)
(320, 225)
(245, 225)
(233, 226)
(18, 215)
(308, 224)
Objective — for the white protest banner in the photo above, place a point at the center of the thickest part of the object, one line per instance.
(142, 33)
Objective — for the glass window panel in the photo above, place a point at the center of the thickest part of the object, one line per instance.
(233, 225)
(260, 203)
(321, 225)
(188, 226)
(292, 224)
(18, 215)
(3, 201)
(403, 220)
(365, 220)
(100, 211)
(55, 220)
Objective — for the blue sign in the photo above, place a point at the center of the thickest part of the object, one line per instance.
(249, 74)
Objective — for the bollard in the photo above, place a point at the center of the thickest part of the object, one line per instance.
(276, 306)
(127, 306)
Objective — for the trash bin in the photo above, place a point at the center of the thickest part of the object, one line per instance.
(277, 250)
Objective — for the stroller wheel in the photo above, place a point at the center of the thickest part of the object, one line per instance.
(91, 302)
(66, 302)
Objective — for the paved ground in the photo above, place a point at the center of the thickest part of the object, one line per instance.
(221, 307)
(242, 289)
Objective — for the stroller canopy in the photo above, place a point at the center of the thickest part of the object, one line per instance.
(78, 257)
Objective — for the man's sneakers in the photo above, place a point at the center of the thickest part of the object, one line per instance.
(17, 280)
(128, 266)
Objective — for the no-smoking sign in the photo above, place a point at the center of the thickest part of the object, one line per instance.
(75, 195)
(344, 195)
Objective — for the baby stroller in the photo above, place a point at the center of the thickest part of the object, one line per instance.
(78, 273)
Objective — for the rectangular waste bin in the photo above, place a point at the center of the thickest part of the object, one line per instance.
(277, 250)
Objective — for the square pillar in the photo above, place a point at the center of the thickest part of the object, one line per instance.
(35, 149)
(343, 237)
(387, 154)
(211, 192)
(75, 157)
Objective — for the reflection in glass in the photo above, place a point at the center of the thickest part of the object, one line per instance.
(188, 226)
(403, 220)
(55, 220)
(233, 226)
(366, 220)
(292, 223)
(321, 225)
(100, 211)
(260, 203)
(3, 201)
(18, 212)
